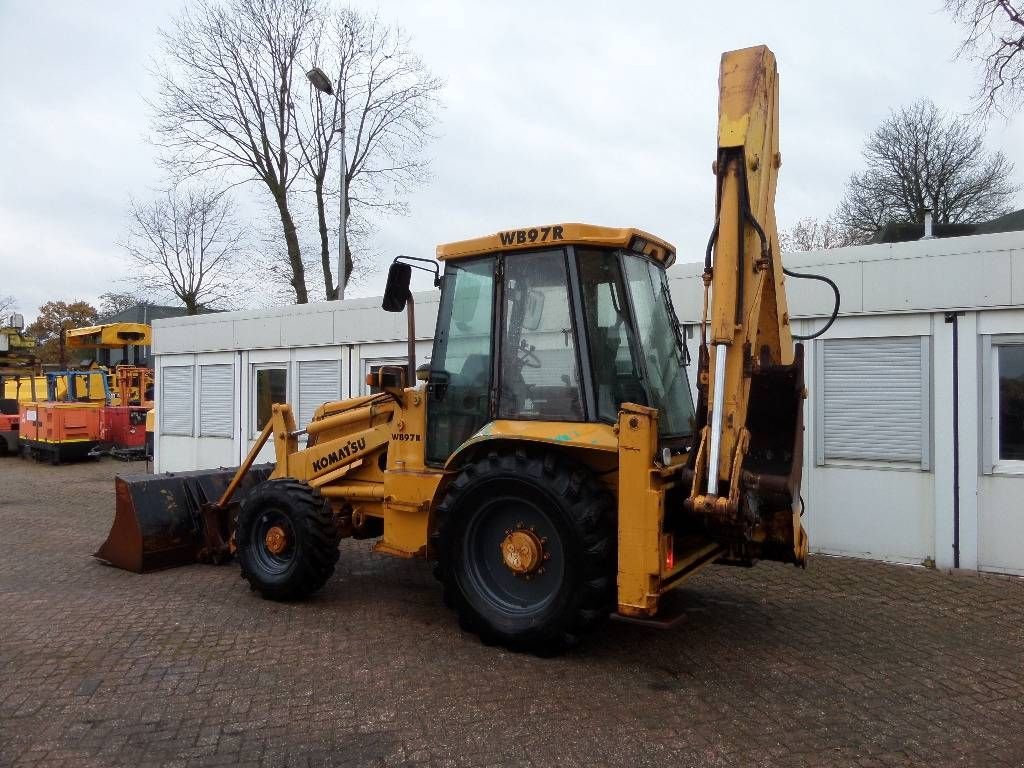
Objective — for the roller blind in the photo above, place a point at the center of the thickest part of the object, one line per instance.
(319, 382)
(176, 400)
(875, 400)
(216, 400)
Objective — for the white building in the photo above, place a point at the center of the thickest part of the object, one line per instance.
(218, 374)
(883, 427)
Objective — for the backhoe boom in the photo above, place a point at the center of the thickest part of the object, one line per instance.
(754, 368)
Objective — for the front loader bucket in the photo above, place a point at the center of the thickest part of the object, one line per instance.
(158, 522)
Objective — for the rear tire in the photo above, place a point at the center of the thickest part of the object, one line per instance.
(571, 591)
(306, 559)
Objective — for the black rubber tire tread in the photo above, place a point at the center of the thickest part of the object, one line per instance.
(587, 512)
(316, 532)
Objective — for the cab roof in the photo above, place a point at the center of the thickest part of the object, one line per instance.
(556, 235)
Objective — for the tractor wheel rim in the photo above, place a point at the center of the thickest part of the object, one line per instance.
(273, 542)
(513, 556)
(522, 551)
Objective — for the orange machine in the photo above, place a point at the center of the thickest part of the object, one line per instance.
(129, 392)
(123, 421)
(69, 427)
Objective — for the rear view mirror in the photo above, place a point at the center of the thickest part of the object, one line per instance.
(396, 292)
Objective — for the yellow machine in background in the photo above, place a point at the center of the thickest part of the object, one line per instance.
(554, 465)
(20, 388)
(18, 366)
(110, 336)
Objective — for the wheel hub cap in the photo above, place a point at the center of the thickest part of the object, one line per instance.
(275, 540)
(522, 551)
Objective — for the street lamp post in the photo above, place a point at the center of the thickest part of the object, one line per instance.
(319, 79)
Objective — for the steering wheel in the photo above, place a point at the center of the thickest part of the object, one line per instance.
(527, 357)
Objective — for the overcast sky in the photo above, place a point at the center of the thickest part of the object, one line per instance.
(554, 111)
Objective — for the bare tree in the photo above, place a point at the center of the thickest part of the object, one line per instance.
(115, 302)
(383, 107)
(813, 234)
(7, 306)
(922, 158)
(185, 243)
(226, 97)
(994, 38)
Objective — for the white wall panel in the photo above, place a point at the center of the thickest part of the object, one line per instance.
(307, 329)
(874, 326)
(197, 337)
(258, 332)
(1002, 321)
(937, 282)
(1001, 524)
(1017, 277)
(814, 298)
(883, 514)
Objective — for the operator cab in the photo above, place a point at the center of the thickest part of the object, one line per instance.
(556, 324)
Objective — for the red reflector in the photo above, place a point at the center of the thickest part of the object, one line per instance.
(670, 555)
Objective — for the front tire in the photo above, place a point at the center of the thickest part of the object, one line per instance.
(526, 550)
(287, 540)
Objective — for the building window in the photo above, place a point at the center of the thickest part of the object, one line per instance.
(270, 386)
(176, 400)
(873, 400)
(216, 400)
(1010, 402)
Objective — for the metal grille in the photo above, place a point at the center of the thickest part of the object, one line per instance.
(874, 399)
(319, 382)
(176, 400)
(216, 400)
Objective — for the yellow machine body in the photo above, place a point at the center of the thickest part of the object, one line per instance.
(675, 510)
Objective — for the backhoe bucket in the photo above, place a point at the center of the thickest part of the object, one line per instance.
(158, 521)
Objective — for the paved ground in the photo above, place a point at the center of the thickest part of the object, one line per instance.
(848, 663)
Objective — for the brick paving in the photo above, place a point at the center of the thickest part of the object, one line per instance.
(848, 663)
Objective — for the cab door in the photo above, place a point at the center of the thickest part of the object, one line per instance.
(461, 367)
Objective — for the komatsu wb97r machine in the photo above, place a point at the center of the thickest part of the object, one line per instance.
(551, 462)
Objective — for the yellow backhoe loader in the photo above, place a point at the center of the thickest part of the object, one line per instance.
(550, 459)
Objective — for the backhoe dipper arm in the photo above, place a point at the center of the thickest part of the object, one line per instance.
(749, 323)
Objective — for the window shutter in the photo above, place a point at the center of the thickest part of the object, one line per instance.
(176, 401)
(874, 394)
(216, 400)
(319, 382)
